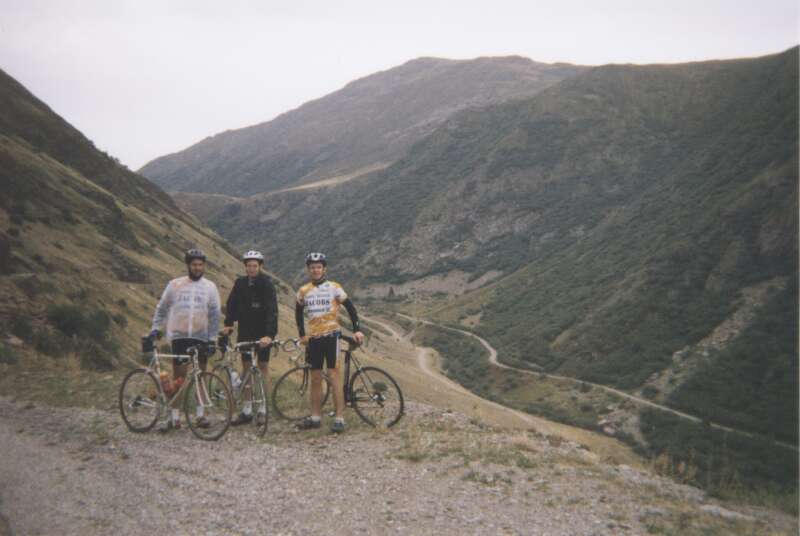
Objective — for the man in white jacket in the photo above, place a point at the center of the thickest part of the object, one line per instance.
(190, 309)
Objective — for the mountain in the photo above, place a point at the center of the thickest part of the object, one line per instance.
(86, 245)
(600, 228)
(362, 127)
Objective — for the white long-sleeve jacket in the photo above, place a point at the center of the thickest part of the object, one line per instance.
(189, 308)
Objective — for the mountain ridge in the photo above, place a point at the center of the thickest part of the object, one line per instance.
(369, 120)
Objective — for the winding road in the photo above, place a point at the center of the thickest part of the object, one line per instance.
(423, 356)
(633, 398)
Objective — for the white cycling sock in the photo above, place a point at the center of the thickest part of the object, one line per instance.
(339, 419)
(316, 418)
(200, 411)
(176, 415)
(262, 408)
(248, 408)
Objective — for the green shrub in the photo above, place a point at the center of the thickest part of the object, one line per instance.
(21, 327)
(50, 342)
(97, 358)
(120, 320)
(8, 355)
(6, 258)
(723, 460)
(74, 320)
(649, 392)
(18, 213)
(68, 319)
(99, 325)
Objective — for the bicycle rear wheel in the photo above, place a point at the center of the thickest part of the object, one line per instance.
(290, 396)
(376, 397)
(208, 416)
(138, 400)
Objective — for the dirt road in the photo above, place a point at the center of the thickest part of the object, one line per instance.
(641, 401)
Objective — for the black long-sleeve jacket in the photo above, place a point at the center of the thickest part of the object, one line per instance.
(253, 303)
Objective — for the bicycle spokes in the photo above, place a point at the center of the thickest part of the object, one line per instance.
(208, 406)
(376, 397)
(290, 395)
(139, 400)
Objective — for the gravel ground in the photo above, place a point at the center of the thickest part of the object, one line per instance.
(76, 471)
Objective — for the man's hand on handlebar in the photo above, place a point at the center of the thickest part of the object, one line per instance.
(359, 337)
(265, 341)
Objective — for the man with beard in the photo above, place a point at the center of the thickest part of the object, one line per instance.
(189, 307)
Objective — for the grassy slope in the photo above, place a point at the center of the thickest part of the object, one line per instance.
(79, 230)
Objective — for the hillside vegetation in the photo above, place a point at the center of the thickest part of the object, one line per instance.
(86, 246)
(623, 214)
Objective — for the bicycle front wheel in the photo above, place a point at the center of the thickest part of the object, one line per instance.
(207, 413)
(258, 397)
(217, 384)
(376, 397)
(290, 396)
(138, 400)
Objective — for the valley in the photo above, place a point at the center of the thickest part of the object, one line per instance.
(583, 278)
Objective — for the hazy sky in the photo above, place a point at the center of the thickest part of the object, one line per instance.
(146, 78)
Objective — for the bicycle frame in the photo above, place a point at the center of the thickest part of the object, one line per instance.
(348, 359)
(154, 367)
(247, 348)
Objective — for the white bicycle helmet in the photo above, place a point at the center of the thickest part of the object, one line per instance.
(253, 255)
(194, 254)
(316, 257)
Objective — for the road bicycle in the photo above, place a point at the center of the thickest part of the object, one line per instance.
(370, 391)
(142, 398)
(250, 387)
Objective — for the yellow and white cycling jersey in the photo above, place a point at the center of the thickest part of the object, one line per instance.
(322, 304)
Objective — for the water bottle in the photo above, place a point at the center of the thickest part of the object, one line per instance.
(166, 384)
(236, 381)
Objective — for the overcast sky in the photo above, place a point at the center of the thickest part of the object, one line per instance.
(147, 78)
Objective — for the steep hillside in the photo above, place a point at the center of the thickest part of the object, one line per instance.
(369, 122)
(86, 245)
(625, 211)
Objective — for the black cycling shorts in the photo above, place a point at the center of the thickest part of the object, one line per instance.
(263, 355)
(181, 347)
(325, 348)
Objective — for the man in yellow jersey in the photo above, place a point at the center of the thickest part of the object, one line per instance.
(321, 299)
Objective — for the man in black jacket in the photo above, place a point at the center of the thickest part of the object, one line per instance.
(253, 303)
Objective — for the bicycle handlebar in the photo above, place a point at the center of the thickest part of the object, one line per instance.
(349, 340)
(288, 345)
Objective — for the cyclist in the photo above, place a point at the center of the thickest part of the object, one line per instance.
(253, 303)
(189, 307)
(322, 298)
